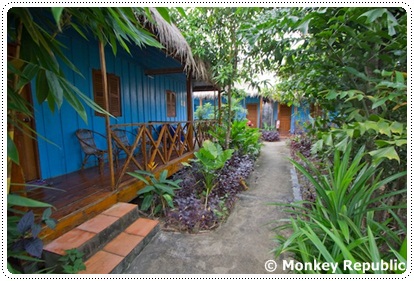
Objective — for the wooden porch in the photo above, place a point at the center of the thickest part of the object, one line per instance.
(154, 146)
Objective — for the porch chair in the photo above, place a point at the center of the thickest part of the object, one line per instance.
(122, 135)
(87, 142)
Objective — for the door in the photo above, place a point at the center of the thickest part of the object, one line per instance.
(252, 114)
(27, 145)
(25, 139)
(284, 113)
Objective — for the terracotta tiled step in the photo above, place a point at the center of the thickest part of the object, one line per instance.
(93, 235)
(118, 253)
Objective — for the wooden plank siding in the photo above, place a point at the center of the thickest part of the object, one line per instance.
(142, 100)
(299, 116)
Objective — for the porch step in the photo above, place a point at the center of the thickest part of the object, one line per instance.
(109, 241)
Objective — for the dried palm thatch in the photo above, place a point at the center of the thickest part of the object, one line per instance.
(205, 94)
(244, 90)
(175, 44)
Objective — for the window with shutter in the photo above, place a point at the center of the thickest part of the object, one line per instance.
(171, 104)
(114, 91)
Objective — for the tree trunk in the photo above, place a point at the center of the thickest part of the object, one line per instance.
(233, 59)
(107, 121)
(228, 121)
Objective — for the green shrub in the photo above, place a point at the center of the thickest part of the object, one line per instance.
(72, 261)
(24, 246)
(212, 158)
(205, 111)
(158, 193)
(340, 225)
(245, 138)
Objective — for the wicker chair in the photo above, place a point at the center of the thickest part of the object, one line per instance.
(87, 142)
(122, 135)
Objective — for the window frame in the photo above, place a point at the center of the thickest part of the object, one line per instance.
(114, 91)
(171, 103)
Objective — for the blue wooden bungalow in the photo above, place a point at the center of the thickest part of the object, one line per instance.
(150, 97)
(260, 111)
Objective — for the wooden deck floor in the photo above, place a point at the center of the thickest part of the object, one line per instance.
(73, 191)
(83, 194)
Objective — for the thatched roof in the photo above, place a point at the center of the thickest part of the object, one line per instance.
(247, 90)
(213, 95)
(205, 94)
(175, 45)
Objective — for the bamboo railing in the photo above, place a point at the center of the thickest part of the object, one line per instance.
(157, 143)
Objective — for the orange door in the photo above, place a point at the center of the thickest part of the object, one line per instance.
(252, 114)
(27, 145)
(284, 113)
(25, 139)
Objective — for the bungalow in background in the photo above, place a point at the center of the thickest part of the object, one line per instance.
(261, 112)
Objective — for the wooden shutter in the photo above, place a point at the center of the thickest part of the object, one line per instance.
(114, 89)
(98, 94)
(171, 104)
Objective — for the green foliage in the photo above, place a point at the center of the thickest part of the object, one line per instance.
(158, 194)
(245, 138)
(341, 223)
(218, 135)
(72, 261)
(242, 138)
(237, 110)
(222, 211)
(23, 242)
(17, 200)
(324, 44)
(352, 61)
(212, 158)
(379, 120)
(205, 111)
(214, 35)
(267, 127)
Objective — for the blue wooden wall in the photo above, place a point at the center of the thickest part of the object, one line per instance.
(299, 116)
(143, 100)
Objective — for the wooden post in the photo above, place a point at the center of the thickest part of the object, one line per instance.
(107, 121)
(260, 112)
(219, 105)
(214, 104)
(190, 114)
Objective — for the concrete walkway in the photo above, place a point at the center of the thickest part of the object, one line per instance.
(240, 246)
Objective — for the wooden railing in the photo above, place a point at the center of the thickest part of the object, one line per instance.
(148, 145)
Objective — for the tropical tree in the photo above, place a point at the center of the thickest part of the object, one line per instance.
(352, 62)
(215, 36)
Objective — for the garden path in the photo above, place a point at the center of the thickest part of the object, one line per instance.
(243, 244)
